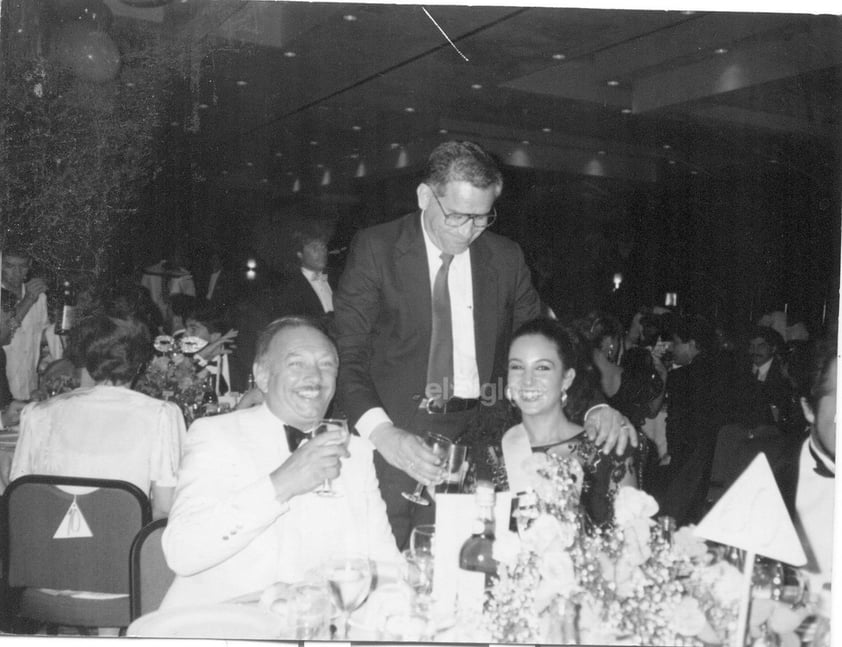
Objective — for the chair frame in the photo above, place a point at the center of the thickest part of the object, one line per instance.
(58, 482)
(135, 566)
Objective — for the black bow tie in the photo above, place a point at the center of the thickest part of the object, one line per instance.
(820, 468)
(294, 437)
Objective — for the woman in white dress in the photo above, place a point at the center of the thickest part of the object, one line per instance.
(104, 429)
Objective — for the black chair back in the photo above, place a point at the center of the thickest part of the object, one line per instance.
(148, 570)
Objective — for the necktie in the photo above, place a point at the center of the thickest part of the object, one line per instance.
(440, 363)
(294, 437)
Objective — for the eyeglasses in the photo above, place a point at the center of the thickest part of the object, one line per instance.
(479, 221)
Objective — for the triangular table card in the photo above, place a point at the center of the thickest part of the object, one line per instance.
(752, 515)
(73, 525)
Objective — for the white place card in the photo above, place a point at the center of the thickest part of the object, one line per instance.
(455, 516)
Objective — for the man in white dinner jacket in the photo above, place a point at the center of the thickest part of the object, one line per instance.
(245, 513)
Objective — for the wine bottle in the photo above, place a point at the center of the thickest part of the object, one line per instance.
(477, 565)
(68, 308)
(210, 401)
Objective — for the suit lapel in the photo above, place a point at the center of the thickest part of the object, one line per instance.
(412, 274)
(486, 308)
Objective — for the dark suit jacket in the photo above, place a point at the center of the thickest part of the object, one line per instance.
(383, 315)
(297, 297)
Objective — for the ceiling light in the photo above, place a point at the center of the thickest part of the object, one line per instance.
(394, 145)
(600, 152)
(224, 172)
(242, 83)
(320, 165)
(720, 50)
(174, 124)
(202, 106)
(354, 156)
(546, 130)
(666, 147)
(313, 142)
(613, 83)
(264, 180)
(356, 128)
(290, 54)
(671, 162)
(525, 142)
(559, 57)
(626, 111)
(349, 17)
(409, 109)
(279, 154)
(476, 86)
(442, 131)
(694, 172)
(773, 161)
(249, 164)
(129, 84)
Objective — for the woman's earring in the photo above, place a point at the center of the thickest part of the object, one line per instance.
(508, 393)
(563, 399)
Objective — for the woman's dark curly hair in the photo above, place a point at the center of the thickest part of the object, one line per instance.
(110, 348)
(575, 353)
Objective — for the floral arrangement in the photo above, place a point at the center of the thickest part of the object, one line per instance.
(172, 375)
(563, 580)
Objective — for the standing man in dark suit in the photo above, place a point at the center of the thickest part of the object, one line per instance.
(424, 312)
(307, 290)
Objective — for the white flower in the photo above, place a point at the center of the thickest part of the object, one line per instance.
(632, 504)
(546, 532)
(687, 618)
(725, 581)
(687, 544)
(507, 547)
(636, 534)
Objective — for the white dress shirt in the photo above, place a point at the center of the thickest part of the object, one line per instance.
(24, 350)
(760, 372)
(322, 288)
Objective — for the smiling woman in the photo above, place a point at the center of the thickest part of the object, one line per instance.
(550, 380)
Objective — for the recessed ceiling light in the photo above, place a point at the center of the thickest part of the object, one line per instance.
(320, 165)
(409, 109)
(313, 142)
(129, 84)
(288, 173)
(559, 57)
(348, 17)
(356, 128)
(224, 172)
(174, 124)
(249, 164)
(264, 180)
(694, 172)
(202, 106)
(671, 162)
(626, 111)
(354, 156)
(666, 147)
(476, 86)
(773, 161)
(290, 54)
(525, 142)
(600, 152)
(394, 145)
(242, 83)
(546, 130)
(442, 131)
(613, 83)
(720, 50)
(279, 154)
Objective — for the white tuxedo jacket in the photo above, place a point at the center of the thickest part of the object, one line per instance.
(227, 535)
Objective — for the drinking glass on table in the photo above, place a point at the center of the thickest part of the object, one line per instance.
(310, 610)
(323, 426)
(420, 559)
(440, 446)
(350, 581)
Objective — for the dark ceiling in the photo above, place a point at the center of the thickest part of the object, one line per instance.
(329, 92)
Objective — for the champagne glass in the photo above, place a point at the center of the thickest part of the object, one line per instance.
(323, 426)
(422, 539)
(350, 581)
(440, 446)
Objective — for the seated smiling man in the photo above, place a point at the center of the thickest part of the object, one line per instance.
(245, 513)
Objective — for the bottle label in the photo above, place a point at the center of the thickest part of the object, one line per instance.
(67, 315)
(470, 591)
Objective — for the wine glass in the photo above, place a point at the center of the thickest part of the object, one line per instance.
(323, 426)
(350, 581)
(454, 470)
(440, 446)
(422, 539)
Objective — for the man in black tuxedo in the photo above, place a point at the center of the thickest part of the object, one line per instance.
(307, 290)
(425, 310)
